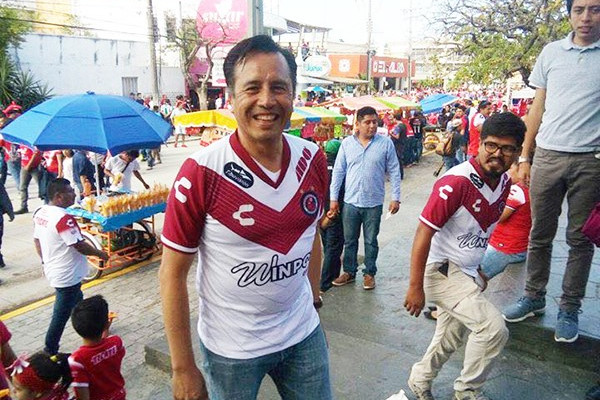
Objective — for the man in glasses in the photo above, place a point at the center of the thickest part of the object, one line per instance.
(564, 125)
(449, 244)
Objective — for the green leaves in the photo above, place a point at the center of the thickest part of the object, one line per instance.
(501, 37)
(15, 84)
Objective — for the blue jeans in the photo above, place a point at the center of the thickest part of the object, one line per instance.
(333, 245)
(14, 167)
(370, 218)
(495, 262)
(450, 161)
(66, 299)
(299, 372)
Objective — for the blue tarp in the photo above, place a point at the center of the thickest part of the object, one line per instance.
(436, 102)
(118, 221)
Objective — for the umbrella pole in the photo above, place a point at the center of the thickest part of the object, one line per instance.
(97, 176)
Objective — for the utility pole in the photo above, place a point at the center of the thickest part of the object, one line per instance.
(152, 37)
(369, 52)
(410, 20)
(257, 17)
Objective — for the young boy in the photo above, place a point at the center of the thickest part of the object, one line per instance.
(96, 366)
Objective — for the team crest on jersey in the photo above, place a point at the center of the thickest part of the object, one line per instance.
(238, 174)
(310, 203)
(501, 206)
(477, 181)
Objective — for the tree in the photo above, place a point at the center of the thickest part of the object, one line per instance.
(15, 84)
(501, 37)
(191, 41)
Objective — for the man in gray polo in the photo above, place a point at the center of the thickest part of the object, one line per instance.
(564, 123)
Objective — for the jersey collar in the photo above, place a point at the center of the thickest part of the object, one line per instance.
(241, 152)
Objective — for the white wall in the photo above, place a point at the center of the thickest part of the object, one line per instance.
(71, 65)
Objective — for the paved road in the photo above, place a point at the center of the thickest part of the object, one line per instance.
(372, 340)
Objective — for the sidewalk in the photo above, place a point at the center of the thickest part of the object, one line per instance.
(373, 341)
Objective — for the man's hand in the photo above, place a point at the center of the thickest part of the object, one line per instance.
(394, 206)
(146, 186)
(189, 385)
(484, 279)
(415, 300)
(103, 255)
(334, 209)
(525, 173)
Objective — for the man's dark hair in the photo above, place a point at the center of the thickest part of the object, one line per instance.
(505, 124)
(569, 6)
(363, 112)
(133, 153)
(483, 104)
(468, 102)
(398, 115)
(57, 186)
(90, 317)
(251, 45)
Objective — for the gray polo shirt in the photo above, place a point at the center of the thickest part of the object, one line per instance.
(571, 76)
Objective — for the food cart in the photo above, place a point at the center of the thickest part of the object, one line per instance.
(122, 225)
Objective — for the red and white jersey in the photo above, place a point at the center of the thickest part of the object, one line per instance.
(463, 209)
(254, 238)
(99, 369)
(57, 232)
(512, 235)
(51, 160)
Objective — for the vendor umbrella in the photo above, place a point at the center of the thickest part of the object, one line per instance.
(92, 122)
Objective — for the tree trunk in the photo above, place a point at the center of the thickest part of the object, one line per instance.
(203, 95)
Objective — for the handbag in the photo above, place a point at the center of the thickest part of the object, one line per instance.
(444, 147)
(591, 228)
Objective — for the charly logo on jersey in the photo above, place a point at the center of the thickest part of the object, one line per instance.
(309, 202)
(238, 174)
(259, 274)
(477, 181)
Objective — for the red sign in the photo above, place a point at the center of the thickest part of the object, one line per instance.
(389, 67)
(223, 21)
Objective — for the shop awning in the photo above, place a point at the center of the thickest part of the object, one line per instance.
(347, 81)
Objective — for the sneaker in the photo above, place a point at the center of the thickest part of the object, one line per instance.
(567, 327)
(22, 211)
(470, 395)
(524, 308)
(421, 393)
(343, 279)
(369, 282)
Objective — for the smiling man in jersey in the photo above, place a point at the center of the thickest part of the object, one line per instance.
(449, 245)
(248, 206)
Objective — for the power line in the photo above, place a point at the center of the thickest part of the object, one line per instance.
(71, 26)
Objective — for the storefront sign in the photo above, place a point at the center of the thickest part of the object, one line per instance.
(317, 66)
(389, 67)
(225, 21)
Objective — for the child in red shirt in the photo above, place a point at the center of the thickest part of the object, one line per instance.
(7, 357)
(41, 377)
(96, 366)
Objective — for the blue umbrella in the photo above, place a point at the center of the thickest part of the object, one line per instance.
(90, 122)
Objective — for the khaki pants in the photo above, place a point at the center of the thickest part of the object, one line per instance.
(463, 310)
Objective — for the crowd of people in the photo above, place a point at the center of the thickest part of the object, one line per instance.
(267, 217)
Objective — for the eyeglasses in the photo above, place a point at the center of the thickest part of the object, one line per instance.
(506, 150)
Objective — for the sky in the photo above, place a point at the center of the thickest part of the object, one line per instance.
(347, 18)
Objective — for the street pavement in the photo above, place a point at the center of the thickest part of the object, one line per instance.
(373, 341)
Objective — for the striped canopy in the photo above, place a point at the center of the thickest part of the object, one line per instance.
(226, 120)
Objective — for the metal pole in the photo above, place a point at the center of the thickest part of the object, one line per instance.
(257, 17)
(151, 38)
(369, 54)
(410, 17)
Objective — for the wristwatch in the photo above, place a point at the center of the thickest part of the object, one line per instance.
(523, 159)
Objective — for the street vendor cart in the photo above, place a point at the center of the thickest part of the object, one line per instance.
(123, 226)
